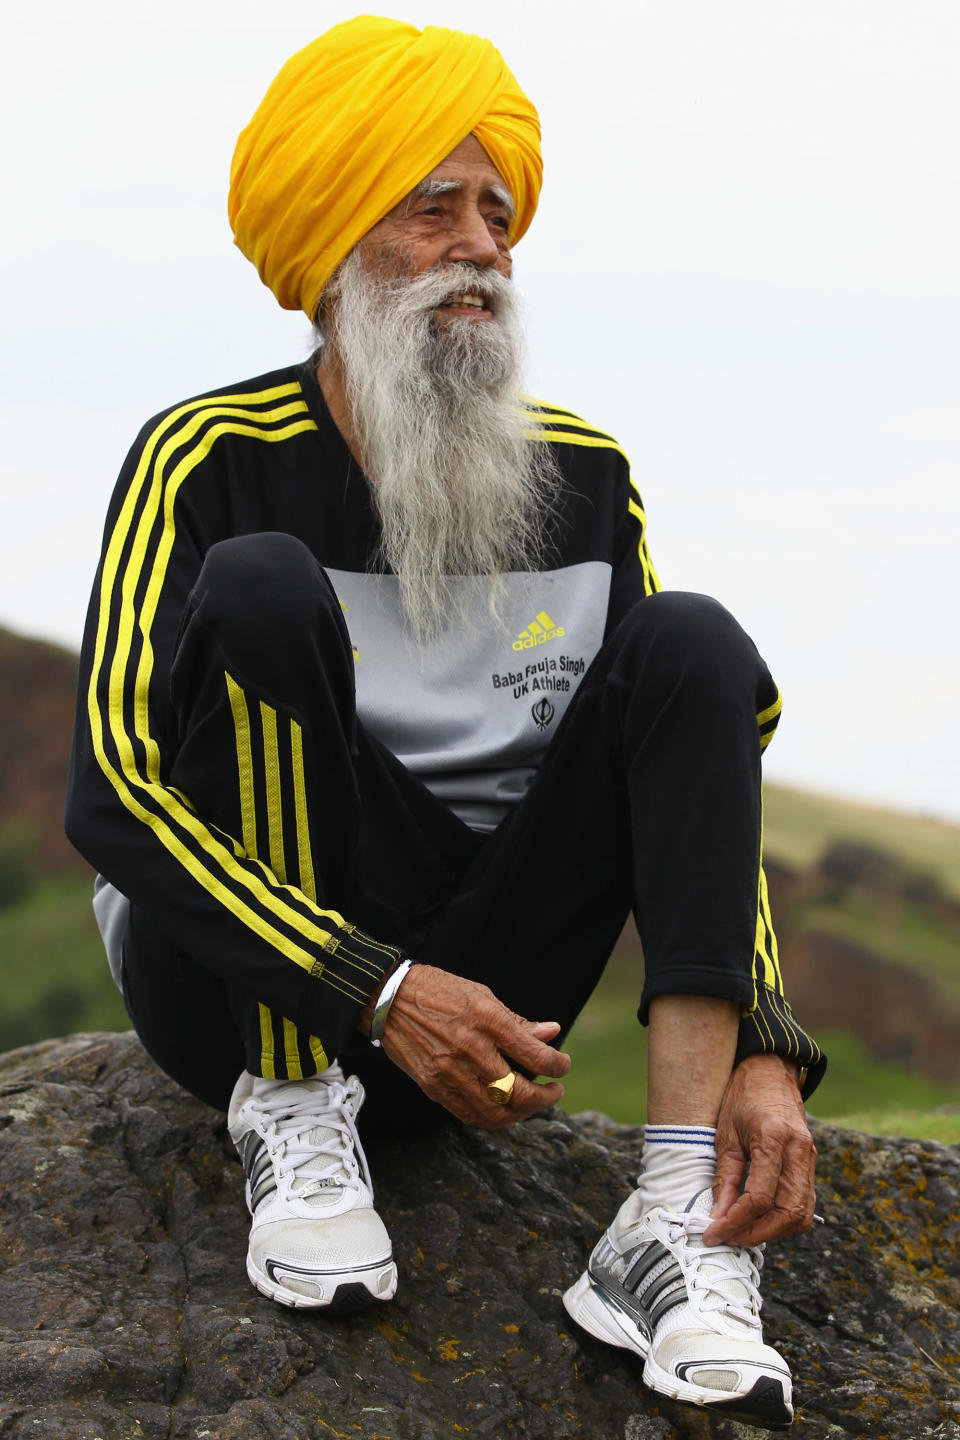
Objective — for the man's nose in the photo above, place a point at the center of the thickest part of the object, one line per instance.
(474, 241)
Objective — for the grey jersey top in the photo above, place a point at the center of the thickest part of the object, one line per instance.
(472, 712)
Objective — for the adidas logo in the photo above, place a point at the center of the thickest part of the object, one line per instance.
(538, 632)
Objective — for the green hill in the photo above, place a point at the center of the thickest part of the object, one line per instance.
(800, 824)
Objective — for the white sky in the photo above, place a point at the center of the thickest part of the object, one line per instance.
(745, 266)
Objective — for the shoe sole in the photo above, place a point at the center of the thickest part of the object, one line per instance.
(764, 1404)
(601, 1318)
(352, 1290)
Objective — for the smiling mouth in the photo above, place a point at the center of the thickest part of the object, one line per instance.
(467, 301)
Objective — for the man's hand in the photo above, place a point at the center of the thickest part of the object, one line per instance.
(762, 1121)
(453, 1036)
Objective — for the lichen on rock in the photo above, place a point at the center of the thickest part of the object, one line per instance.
(125, 1309)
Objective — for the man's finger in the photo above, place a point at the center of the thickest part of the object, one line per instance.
(774, 1225)
(528, 1098)
(545, 1030)
(745, 1211)
(757, 1200)
(793, 1193)
(531, 1096)
(758, 1215)
(516, 1040)
(791, 1211)
(731, 1164)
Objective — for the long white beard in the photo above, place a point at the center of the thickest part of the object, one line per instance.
(456, 485)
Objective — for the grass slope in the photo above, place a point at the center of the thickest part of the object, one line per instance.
(53, 972)
(799, 824)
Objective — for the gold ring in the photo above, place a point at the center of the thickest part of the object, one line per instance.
(501, 1091)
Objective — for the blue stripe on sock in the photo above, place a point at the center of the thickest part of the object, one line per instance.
(702, 1144)
(679, 1135)
(680, 1129)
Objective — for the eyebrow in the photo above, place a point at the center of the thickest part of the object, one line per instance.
(428, 189)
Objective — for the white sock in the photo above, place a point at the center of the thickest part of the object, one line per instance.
(678, 1161)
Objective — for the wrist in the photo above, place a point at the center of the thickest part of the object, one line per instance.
(378, 1007)
(765, 1058)
(365, 1018)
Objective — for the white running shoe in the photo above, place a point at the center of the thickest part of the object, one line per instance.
(692, 1311)
(316, 1239)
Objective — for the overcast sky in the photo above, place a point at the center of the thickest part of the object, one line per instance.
(745, 266)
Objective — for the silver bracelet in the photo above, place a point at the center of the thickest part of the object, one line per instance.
(385, 999)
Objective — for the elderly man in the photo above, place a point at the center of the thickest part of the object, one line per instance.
(385, 726)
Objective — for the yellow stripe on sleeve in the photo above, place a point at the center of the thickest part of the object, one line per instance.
(770, 974)
(591, 442)
(216, 869)
(271, 770)
(531, 402)
(167, 494)
(291, 1052)
(549, 422)
(635, 507)
(762, 953)
(766, 1034)
(307, 882)
(266, 1044)
(764, 715)
(768, 921)
(241, 725)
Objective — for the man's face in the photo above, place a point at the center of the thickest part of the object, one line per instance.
(460, 212)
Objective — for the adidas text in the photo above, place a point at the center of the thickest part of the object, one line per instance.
(527, 642)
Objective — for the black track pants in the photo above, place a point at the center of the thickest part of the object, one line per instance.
(649, 797)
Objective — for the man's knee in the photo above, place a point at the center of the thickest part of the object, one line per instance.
(261, 591)
(686, 619)
(693, 637)
(266, 582)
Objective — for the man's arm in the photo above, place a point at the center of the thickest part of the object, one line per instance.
(226, 906)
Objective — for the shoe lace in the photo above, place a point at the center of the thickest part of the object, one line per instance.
(312, 1136)
(723, 1277)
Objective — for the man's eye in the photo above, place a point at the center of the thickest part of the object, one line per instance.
(501, 222)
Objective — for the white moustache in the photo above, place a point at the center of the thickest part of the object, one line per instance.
(456, 282)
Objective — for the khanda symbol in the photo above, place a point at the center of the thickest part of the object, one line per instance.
(542, 713)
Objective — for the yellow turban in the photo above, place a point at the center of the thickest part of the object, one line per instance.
(350, 125)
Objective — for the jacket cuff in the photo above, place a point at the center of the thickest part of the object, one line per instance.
(347, 971)
(768, 1028)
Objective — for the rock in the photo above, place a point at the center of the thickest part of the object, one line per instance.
(125, 1310)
